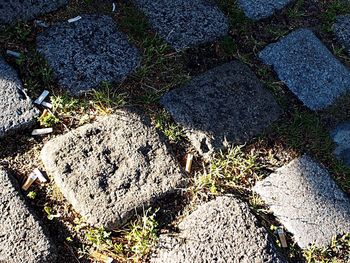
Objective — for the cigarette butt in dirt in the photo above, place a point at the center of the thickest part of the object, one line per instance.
(189, 162)
(113, 7)
(41, 98)
(13, 53)
(39, 175)
(40, 23)
(42, 131)
(282, 237)
(102, 258)
(30, 180)
(45, 112)
(46, 104)
(74, 19)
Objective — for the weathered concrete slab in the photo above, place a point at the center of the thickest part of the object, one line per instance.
(308, 68)
(16, 109)
(342, 30)
(341, 136)
(184, 23)
(259, 9)
(22, 239)
(112, 167)
(13, 10)
(307, 202)
(226, 105)
(223, 230)
(87, 52)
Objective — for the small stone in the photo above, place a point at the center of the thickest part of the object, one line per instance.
(259, 9)
(16, 109)
(223, 230)
(342, 30)
(184, 23)
(112, 168)
(341, 136)
(13, 10)
(307, 201)
(226, 105)
(87, 52)
(308, 68)
(22, 239)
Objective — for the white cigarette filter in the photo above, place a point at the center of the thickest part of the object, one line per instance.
(46, 104)
(13, 53)
(30, 180)
(41, 98)
(39, 175)
(42, 131)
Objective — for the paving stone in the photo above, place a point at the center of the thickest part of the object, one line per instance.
(22, 239)
(308, 68)
(16, 109)
(184, 23)
(112, 167)
(223, 230)
(341, 136)
(259, 9)
(87, 52)
(226, 105)
(13, 10)
(342, 30)
(307, 201)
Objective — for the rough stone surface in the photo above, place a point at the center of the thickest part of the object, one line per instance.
(184, 23)
(342, 30)
(307, 202)
(223, 230)
(341, 136)
(22, 239)
(308, 68)
(87, 52)
(258, 9)
(16, 109)
(225, 105)
(112, 167)
(13, 10)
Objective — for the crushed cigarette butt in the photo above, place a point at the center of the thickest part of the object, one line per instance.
(40, 176)
(46, 104)
(13, 53)
(74, 19)
(30, 180)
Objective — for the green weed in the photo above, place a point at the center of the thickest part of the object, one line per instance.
(164, 123)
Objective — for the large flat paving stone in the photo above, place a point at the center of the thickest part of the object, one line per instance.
(342, 30)
(16, 109)
(22, 239)
(225, 105)
(306, 200)
(341, 137)
(184, 23)
(112, 167)
(13, 10)
(308, 68)
(223, 230)
(87, 52)
(259, 9)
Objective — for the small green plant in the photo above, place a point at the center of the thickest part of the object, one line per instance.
(50, 215)
(99, 238)
(48, 119)
(32, 195)
(172, 131)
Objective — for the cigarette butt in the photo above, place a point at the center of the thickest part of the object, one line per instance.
(282, 237)
(189, 162)
(45, 112)
(102, 258)
(13, 53)
(46, 104)
(40, 176)
(74, 19)
(40, 23)
(42, 131)
(41, 98)
(30, 180)
(113, 8)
